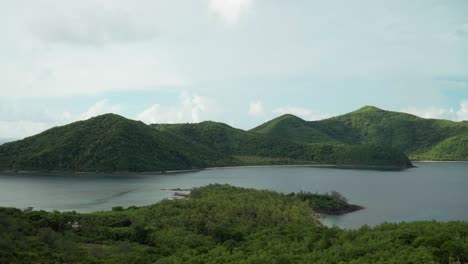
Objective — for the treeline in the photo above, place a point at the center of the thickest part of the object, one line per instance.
(222, 224)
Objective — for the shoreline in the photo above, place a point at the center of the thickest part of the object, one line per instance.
(349, 208)
(100, 172)
(312, 165)
(441, 161)
(358, 167)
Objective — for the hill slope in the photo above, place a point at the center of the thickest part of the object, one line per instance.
(106, 143)
(417, 137)
(257, 149)
(111, 143)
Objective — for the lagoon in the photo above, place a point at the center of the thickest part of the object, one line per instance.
(432, 191)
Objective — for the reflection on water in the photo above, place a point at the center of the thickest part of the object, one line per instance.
(431, 191)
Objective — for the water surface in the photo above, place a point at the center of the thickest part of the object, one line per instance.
(433, 191)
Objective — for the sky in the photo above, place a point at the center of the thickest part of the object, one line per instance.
(241, 62)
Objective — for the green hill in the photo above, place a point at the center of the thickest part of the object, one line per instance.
(106, 143)
(293, 127)
(257, 149)
(419, 138)
(111, 143)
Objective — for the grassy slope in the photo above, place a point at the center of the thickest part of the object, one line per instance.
(221, 224)
(417, 137)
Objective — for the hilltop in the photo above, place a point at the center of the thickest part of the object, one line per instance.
(106, 143)
(419, 138)
(112, 143)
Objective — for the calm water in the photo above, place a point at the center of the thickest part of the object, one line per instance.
(432, 191)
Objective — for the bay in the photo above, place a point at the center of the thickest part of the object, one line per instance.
(432, 191)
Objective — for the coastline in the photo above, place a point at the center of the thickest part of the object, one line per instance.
(441, 161)
(100, 172)
(312, 165)
(363, 167)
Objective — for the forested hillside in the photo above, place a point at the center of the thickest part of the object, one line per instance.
(222, 224)
(107, 143)
(255, 149)
(419, 138)
(111, 143)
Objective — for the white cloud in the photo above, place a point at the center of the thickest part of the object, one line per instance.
(84, 47)
(256, 108)
(91, 26)
(88, 71)
(441, 113)
(230, 10)
(303, 113)
(462, 113)
(101, 107)
(28, 124)
(190, 108)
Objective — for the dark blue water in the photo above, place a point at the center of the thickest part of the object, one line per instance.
(433, 191)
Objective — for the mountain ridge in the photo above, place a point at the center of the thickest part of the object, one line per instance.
(110, 143)
(414, 135)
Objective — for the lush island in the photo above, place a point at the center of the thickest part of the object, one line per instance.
(419, 138)
(222, 224)
(111, 143)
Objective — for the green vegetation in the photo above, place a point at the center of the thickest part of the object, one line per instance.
(107, 143)
(419, 138)
(452, 148)
(111, 143)
(364, 138)
(331, 204)
(258, 149)
(222, 224)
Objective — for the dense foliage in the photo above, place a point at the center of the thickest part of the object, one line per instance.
(419, 138)
(107, 143)
(333, 203)
(222, 224)
(258, 149)
(111, 143)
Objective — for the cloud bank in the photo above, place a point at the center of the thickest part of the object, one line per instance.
(301, 112)
(190, 109)
(441, 113)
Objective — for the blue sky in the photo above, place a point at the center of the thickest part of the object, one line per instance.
(236, 61)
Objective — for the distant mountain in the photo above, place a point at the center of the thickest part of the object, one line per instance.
(111, 143)
(419, 138)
